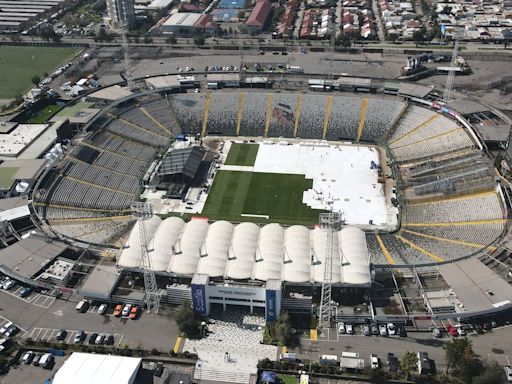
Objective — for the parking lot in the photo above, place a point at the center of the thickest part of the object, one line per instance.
(50, 335)
(4, 321)
(28, 373)
(33, 297)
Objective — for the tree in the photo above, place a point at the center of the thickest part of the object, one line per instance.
(493, 373)
(187, 321)
(171, 40)
(36, 79)
(199, 40)
(419, 35)
(409, 363)
(460, 356)
(147, 40)
(283, 329)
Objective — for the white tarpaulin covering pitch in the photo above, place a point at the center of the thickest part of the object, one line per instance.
(343, 180)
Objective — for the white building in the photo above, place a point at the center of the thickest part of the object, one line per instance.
(86, 368)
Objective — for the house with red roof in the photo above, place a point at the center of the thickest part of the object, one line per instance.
(258, 19)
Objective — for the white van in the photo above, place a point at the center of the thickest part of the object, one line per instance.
(46, 361)
(82, 306)
(288, 357)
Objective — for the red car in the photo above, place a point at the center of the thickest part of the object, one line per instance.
(452, 331)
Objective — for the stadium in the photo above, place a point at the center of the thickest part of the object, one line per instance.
(418, 193)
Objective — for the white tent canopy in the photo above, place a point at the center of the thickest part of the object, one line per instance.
(248, 252)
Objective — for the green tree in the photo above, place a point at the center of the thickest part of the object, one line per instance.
(461, 357)
(199, 40)
(187, 321)
(409, 363)
(35, 79)
(419, 35)
(493, 373)
(171, 40)
(283, 329)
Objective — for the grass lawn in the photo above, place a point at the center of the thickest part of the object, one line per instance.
(242, 154)
(18, 64)
(72, 110)
(287, 379)
(44, 114)
(278, 196)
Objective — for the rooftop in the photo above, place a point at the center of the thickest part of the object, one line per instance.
(185, 19)
(19, 138)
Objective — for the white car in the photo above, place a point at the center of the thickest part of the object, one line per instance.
(374, 361)
(391, 329)
(460, 331)
(350, 329)
(6, 327)
(126, 310)
(508, 372)
(28, 357)
(11, 331)
(383, 330)
(341, 328)
(99, 339)
(9, 285)
(102, 309)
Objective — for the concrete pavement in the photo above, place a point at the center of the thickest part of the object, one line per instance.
(149, 331)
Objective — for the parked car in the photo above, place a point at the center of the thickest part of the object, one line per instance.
(460, 331)
(391, 329)
(159, 369)
(393, 363)
(383, 330)
(374, 329)
(61, 335)
(9, 284)
(134, 312)
(374, 361)
(79, 337)
(28, 357)
(82, 306)
(366, 330)
(37, 357)
(452, 331)
(99, 339)
(350, 329)
(126, 310)
(102, 309)
(508, 373)
(109, 340)
(437, 333)
(25, 291)
(92, 338)
(11, 331)
(5, 327)
(118, 309)
(46, 361)
(341, 328)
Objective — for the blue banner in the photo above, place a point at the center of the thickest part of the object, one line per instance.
(271, 311)
(199, 299)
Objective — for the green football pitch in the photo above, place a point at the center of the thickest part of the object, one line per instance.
(18, 64)
(278, 196)
(242, 154)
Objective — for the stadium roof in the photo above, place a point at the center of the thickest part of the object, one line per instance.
(111, 93)
(248, 252)
(184, 161)
(87, 368)
(30, 255)
(475, 285)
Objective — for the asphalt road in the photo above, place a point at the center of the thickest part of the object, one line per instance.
(492, 345)
(149, 331)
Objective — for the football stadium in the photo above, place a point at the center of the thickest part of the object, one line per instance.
(237, 182)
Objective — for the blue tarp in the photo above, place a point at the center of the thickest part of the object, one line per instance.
(268, 377)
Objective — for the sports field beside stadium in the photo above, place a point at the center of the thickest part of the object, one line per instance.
(242, 154)
(19, 64)
(278, 196)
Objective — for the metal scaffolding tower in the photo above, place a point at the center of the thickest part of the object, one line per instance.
(127, 63)
(141, 212)
(331, 223)
(451, 73)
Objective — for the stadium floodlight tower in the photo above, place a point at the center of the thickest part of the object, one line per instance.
(128, 74)
(141, 212)
(331, 223)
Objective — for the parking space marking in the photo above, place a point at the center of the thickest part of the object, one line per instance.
(28, 299)
(43, 301)
(47, 334)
